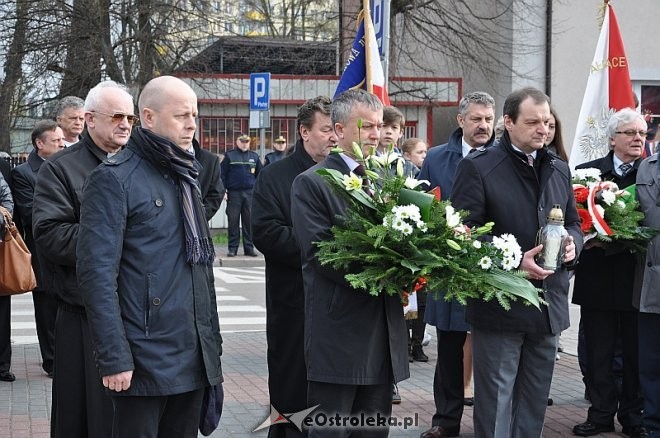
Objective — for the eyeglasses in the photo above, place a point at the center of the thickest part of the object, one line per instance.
(632, 133)
(118, 117)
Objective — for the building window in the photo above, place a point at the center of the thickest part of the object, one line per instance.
(410, 130)
(217, 134)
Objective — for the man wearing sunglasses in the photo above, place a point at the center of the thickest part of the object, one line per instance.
(604, 290)
(239, 171)
(81, 407)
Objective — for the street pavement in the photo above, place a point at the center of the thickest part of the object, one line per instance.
(25, 404)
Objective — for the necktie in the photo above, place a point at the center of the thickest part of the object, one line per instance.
(360, 171)
(530, 160)
(625, 168)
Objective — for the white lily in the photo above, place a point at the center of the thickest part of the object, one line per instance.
(452, 217)
(411, 183)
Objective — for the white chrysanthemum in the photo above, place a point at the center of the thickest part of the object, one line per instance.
(508, 263)
(386, 221)
(406, 229)
(608, 197)
(410, 212)
(452, 217)
(620, 204)
(485, 263)
(421, 225)
(476, 244)
(509, 247)
(398, 224)
(591, 174)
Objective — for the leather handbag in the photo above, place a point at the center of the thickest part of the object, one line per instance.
(16, 273)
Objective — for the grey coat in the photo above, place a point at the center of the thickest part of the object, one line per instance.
(648, 194)
(351, 337)
(5, 195)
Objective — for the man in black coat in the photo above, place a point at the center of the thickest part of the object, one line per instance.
(272, 234)
(209, 179)
(81, 407)
(604, 290)
(47, 139)
(355, 343)
(515, 184)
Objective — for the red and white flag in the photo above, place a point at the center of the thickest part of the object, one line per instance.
(363, 68)
(608, 90)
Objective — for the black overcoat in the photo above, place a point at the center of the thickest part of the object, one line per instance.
(351, 337)
(604, 277)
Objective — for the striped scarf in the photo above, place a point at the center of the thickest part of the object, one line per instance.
(161, 152)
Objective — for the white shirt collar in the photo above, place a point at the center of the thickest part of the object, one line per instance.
(616, 161)
(466, 148)
(350, 162)
(533, 153)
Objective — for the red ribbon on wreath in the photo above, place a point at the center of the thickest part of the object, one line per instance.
(598, 220)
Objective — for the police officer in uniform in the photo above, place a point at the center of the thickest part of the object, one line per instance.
(279, 151)
(239, 170)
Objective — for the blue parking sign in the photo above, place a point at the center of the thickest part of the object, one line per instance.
(259, 91)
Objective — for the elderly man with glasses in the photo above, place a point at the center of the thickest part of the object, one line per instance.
(80, 406)
(239, 171)
(604, 290)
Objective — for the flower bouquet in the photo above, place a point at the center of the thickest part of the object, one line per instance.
(607, 213)
(393, 235)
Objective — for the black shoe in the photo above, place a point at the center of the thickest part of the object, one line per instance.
(550, 401)
(50, 374)
(250, 253)
(396, 398)
(438, 432)
(638, 431)
(589, 428)
(468, 401)
(410, 357)
(419, 356)
(231, 253)
(7, 376)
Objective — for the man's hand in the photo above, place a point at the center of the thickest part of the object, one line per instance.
(118, 382)
(534, 271)
(569, 250)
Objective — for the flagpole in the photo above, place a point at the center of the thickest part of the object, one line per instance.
(386, 40)
(368, 30)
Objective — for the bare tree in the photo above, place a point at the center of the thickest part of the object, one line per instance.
(463, 36)
(13, 72)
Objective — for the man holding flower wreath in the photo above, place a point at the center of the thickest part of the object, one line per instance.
(355, 343)
(604, 288)
(515, 183)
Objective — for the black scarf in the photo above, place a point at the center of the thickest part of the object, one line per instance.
(160, 151)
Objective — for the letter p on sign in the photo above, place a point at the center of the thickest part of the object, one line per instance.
(259, 91)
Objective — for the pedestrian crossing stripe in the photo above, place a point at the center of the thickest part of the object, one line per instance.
(235, 312)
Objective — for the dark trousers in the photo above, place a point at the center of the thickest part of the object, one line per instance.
(349, 401)
(81, 407)
(5, 333)
(239, 209)
(287, 373)
(45, 313)
(649, 369)
(448, 381)
(601, 330)
(168, 416)
(416, 326)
